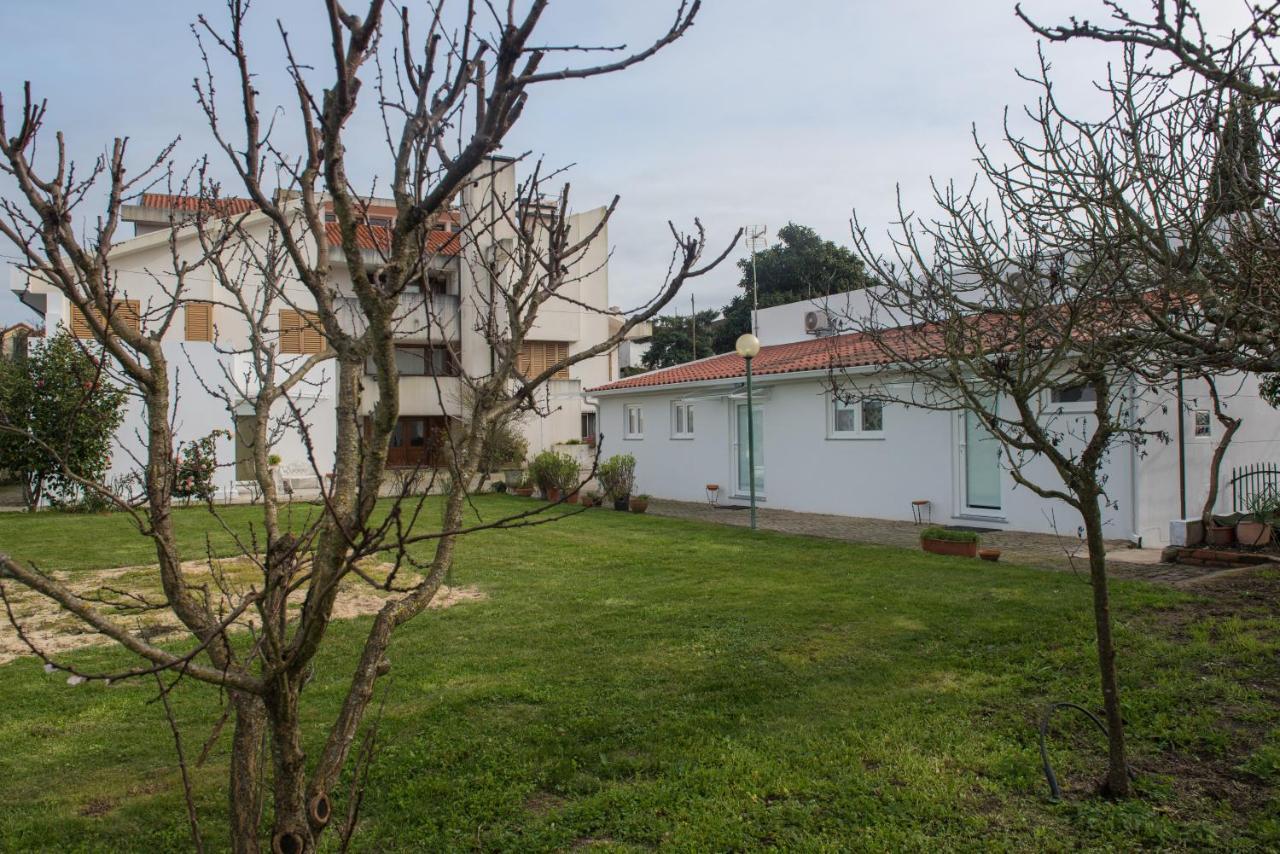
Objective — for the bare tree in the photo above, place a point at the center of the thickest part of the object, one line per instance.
(447, 98)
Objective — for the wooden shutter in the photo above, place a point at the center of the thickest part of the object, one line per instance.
(126, 309)
(80, 324)
(290, 331)
(199, 321)
(312, 337)
(537, 356)
(300, 332)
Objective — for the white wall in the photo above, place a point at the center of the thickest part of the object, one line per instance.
(806, 470)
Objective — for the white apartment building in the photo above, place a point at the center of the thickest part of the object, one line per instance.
(440, 323)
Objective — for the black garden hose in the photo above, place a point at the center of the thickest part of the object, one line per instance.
(1055, 793)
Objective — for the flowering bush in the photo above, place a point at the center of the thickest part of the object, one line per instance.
(193, 469)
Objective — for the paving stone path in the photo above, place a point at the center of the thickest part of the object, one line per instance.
(1043, 551)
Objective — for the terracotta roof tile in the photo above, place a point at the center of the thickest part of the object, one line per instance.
(855, 349)
(378, 238)
(229, 206)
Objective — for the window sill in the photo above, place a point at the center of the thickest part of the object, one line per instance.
(856, 437)
(633, 438)
(996, 516)
(682, 438)
(760, 499)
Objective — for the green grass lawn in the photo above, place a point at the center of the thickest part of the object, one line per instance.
(634, 683)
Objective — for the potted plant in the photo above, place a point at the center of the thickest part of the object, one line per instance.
(992, 555)
(1222, 532)
(555, 475)
(617, 476)
(1257, 527)
(591, 499)
(524, 488)
(639, 504)
(944, 541)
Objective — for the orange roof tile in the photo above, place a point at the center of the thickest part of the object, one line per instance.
(377, 238)
(229, 206)
(855, 349)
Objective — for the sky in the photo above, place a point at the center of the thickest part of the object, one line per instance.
(764, 113)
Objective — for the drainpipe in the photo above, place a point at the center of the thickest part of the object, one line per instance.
(1182, 454)
(1134, 515)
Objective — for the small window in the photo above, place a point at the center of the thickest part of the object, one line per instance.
(589, 427)
(1073, 394)
(681, 420)
(1203, 424)
(633, 422)
(857, 419)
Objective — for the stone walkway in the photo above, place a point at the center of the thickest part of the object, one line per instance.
(1043, 551)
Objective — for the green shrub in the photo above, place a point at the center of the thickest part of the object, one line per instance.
(938, 533)
(617, 476)
(504, 447)
(551, 470)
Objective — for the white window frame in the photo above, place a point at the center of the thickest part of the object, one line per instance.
(627, 432)
(1195, 424)
(857, 407)
(682, 420)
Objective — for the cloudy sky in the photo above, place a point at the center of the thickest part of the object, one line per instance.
(766, 112)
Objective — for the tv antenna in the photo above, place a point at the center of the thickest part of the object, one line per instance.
(755, 238)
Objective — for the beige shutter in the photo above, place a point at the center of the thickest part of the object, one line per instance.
(290, 331)
(128, 311)
(312, 334)
(80, 324)
(199, 321)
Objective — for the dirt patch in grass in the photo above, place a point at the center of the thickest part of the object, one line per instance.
(96, 807)
(541, 803)
(125, 594)
(1246, 601)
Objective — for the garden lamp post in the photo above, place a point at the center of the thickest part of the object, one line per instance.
(747, 347)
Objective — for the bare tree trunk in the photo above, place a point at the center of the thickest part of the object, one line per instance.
(245, 788)
(1230, 426)
(1117, 780)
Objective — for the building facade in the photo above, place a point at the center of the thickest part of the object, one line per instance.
(440, 329)
(818, 452)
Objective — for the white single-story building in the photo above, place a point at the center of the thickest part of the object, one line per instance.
(686, 427)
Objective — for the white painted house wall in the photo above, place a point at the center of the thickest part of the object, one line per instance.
(919, 455)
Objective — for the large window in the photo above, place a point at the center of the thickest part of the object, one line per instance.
(633, 422)
(681, 420)
(856, 419)
(421, 360)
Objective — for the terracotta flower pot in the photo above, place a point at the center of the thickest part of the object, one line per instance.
(949, 547)
(992, 555)
(639, 505)
(524, 491)
(552, 494)
(1253, 534)
(572, 499)
(1220, 535)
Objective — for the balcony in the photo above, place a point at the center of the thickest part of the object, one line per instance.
(433, 317)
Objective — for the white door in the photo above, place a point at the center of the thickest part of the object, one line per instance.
(742, 464)
(979, 467)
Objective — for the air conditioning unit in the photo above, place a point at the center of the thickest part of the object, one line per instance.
(817, 322)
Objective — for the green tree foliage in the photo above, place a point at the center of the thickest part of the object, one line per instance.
(672, 341)
(800, 266)
(60, 394)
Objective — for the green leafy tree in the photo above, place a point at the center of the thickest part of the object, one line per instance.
(673, 343)
(801, 265)
(60, 394)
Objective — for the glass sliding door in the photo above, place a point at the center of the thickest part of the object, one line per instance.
(980, 463)
(743, 463)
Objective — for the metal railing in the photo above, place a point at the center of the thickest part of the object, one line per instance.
(1248, 481)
